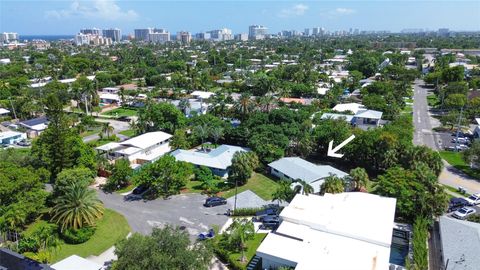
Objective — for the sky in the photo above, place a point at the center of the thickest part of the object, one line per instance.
(67, 17)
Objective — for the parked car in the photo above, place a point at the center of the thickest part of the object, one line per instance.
(459, 147)
(461, 140)
(474, 199)
(267, 212)
(456, 203)
(270, 222)
(24, 143)
(464, 212)
(124, 119)
(214, 201)
(140, 190)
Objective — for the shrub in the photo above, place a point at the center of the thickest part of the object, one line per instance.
(28, 244)
(420, 250)
(241, 212)
(79, 236)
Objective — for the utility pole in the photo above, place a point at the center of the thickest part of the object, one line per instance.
(458, 129)
(13, 108)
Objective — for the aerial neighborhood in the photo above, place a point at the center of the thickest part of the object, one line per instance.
(314, 149)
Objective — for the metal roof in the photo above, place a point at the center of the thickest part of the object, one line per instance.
(297, 168)
(34, 121)
(147, 140)
(371, 114)
(219, 158)
(460, 243)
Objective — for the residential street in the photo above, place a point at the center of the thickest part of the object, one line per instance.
(118, 126)
(423, 135)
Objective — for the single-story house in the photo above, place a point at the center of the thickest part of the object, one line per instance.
(460, 242)
(195, 106)
(294, 168)
(5, 61)
(138, 150)
(11, 137)
(202, 94)
(108, 98)
(334, 231)
(35, 126)
(4, 112)
(218, 159)
(75, 262)
(363, 119)
(110, 90)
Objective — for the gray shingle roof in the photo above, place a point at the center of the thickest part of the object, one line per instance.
(460, 243)
(297, 168)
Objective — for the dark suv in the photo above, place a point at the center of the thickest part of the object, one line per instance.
(214, 201)
(267, 212)
(270, 222)
(456, 203)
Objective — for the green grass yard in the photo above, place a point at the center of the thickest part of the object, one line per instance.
(455, 159)
(128, 132)
(260, 184)
(119, 112)
(110, 229)
(252, 246)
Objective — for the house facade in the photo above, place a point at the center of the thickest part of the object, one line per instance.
(11, 137)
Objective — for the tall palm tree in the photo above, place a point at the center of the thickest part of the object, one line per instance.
(244, 105)
(183, 105)
(76, 208)
(333, 184)
(107, 128)
(216, 133)
(303, 187)
(240, 231)
(360, 177)
(202, 132)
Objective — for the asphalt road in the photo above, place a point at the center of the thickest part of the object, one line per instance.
(181, 210)
(424, 134)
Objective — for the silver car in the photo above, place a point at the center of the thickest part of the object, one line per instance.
(464, 212)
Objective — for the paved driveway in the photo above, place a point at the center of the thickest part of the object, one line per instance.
(182, 210)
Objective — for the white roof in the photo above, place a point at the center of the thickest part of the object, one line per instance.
(371, 114)
(147, 140)
(109, 96)
(9, 134)
(109, 146)
(4, 111)
(202, 94)
(5, 61)
(353, 107)
(477, 120)
(75, 262)
(335, 231)
(68, 80)
(219, 158)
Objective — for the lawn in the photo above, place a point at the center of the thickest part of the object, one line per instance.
(110, 229)
(454, 190)
(455, 159)
(252, 246)
(128, 132)
(119, 112)
(433, 100)
(101, 142)
(125, 189)
(260, 184)
(91, 132)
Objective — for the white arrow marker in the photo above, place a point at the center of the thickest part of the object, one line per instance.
(332, 152)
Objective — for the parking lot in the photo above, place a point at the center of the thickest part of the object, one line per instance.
(185, 210)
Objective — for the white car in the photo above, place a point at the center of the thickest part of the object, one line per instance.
(474, 199)
(464, 212)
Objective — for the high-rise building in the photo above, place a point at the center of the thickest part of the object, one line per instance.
(256, 32)
(443, 32)
(241, 37)
(184, 37)
(221, 34)
(91, 31)
(202, 36)
(82, 39)
(306, 32)
(142, 34)
(8, 37)
(113, 33)
(315, 31)
(159, 37)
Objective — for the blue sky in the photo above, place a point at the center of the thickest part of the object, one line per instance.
(68, 16)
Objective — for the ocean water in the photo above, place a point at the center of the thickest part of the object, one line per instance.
(45, 37)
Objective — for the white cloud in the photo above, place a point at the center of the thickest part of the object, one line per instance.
(99, 9)
(342, 11)
(294, 11)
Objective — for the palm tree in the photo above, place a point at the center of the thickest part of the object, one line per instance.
(244, 105)
(202, 132)
(240, 231)
(107, 128)
(217, 134)
(76, 208)
(303, 187)
(333, 184)
(360, 177)
(183, 105)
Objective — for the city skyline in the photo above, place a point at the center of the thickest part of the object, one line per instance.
(67, 17)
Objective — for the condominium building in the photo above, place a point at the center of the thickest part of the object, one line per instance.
(113, 33)
(159, 37)
(221, 34)
(82, 39)
(256, 32)
(306, 32)
(202, 36)
(184, 37)
(8, 37)
(90, 39)
(241, 37)
(142, 34)
(318, 31)
(91, 31)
